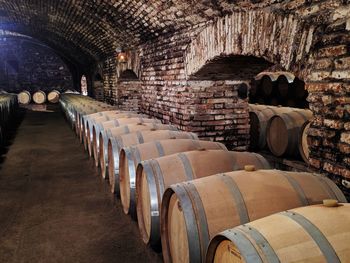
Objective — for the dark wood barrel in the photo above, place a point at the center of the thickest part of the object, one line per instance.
(283, 132)
(309, 234)
(298, 87)
(266, 86)
(194, 212)
(283, 87)
(154, 176)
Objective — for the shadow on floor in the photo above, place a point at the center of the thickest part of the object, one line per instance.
(10, 132)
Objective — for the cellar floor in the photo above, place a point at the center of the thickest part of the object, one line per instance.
(54, 207)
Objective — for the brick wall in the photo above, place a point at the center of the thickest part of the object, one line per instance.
(219, 114)
(314, 45)
(27, 64)
(129, 94)
(329, 87)
(110, 92)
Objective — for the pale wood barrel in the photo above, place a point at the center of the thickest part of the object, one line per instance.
(194, 212)
(87, 117)
(39, 97)
(53, 96)
(283, 132)
(98, 127)
(85, 110)
(104, 118)
(130, 157)
(304, 149)
(24, 97)
(154, 176)
(125, 129)
(259, 116)
(310, 234)
(115, 144)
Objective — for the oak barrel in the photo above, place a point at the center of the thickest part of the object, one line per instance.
(154, 176)
(267, 86)
(283, 86)
(283, 132)
(194, 212)
(99, 127)
(24, 97)
(126, 129)
(53, 96)
(259, 116)
(114, 117)
(303, 145)
(312, 234)
(39, 97)
(299, 89)
(130, 157)
(115, 144)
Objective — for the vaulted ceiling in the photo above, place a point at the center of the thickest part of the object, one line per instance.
(89, 30)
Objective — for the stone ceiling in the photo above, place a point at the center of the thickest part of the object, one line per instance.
(89, 30)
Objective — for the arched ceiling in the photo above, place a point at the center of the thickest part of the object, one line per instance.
(90, 30)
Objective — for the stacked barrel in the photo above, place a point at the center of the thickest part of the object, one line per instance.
(184, 191)
(279, 88)
(8, 107)
(38, 97)
(282, 130)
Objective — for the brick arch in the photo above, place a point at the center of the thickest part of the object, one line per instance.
(281, 40)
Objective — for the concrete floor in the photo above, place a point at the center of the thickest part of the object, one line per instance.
(54, 207)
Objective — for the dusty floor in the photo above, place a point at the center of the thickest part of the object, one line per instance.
(54, 207)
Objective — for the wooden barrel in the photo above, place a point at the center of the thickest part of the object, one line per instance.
(299, 89)
(154, 176)
(303, 145)
(194, 212)
(83, 111)
(125, 129)
(317, 233)
(283, 132)
(130, 157)
(98, 127)
(291, 103)
(39, 97)
(266, 86)
(283, 87)
(90, 117)
(274, 101)
(259, 116)
(115, 144)
(114, 117)
(53, 96)
(24, 97)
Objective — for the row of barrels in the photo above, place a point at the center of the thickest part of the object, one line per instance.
(8, 107)
(282, 130)
(279, 89)
(184, 192)
(39, 97)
